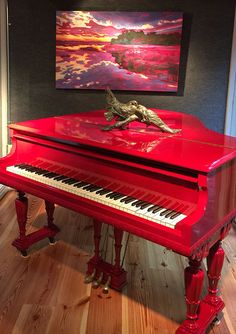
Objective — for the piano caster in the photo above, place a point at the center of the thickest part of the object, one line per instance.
(52, 241)
(216, 322)
(97, 282)
(106, 287)
(89, 279)
(24, 253)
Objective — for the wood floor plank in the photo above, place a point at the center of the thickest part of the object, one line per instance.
(45, 293)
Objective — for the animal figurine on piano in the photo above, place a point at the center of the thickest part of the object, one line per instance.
(125, 113)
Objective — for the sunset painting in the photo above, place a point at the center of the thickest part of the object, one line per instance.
(118, 50)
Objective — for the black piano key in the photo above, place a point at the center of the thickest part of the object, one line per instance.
(26, 167)
(170, 213)
(165, 212)
(41, 171)
(145, 205)
(29, 168)
(109, 195)
(176, 214)
(51, 175)
(34, 169)
(157, 209)
(94, 189)
(46, 173)
(88, 186)
(118, 196)
(153, 208)
(60, 177)
(80, 184)
(103, 191)
(137, 203)
(129, 200)
(114, 194)
(70, 181)
(126, 198)
(21, 165)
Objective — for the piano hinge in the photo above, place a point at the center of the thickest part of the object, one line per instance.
(202, 182)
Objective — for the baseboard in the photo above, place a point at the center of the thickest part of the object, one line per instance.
(9, 147)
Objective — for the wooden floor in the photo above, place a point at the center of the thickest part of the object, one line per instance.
(45, 293)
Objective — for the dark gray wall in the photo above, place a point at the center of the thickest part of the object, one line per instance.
(207, 37)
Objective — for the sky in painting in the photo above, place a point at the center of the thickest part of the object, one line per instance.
(93, 52)
(102, 26)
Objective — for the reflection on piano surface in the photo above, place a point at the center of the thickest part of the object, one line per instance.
(177, 190)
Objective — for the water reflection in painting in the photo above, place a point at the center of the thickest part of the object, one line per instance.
(119, 50)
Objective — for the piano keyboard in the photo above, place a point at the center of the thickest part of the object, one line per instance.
(159, 209)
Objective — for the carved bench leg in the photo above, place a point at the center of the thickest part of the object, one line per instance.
(23, 242)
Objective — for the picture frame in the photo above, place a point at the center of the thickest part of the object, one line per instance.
(134, 51)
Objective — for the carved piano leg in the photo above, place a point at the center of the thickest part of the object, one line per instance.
(23, 242)
(201, 313)
(215, 262)
(50, 208)
(194, 276)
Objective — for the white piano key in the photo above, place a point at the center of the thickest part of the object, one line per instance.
(103, 199)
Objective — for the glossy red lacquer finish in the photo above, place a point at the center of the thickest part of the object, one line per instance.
(195, 167)
(190, 148)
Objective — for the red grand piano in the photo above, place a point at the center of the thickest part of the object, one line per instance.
(177, 190)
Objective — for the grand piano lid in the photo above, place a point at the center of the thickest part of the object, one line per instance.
(195, 147)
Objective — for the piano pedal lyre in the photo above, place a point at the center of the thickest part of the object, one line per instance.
(97, 283)
(89, 278)
(106, 287)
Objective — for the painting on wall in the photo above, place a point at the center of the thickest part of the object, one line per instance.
(118, 50)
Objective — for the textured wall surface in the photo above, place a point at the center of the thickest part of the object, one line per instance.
(207, 38)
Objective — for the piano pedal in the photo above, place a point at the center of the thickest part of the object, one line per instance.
(89, 278)
(97, 282)
(106, 287)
